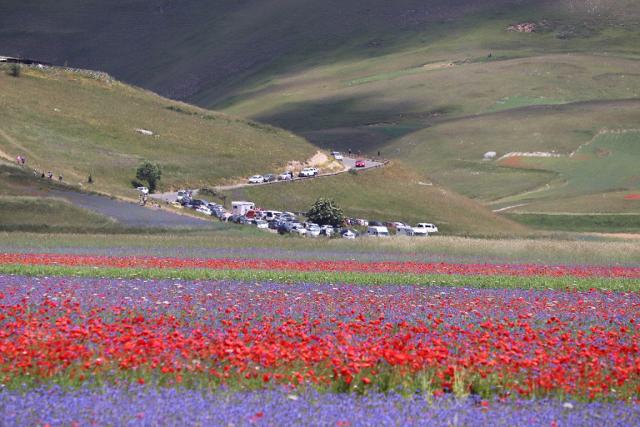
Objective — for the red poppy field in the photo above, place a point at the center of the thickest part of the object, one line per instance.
(497, 345)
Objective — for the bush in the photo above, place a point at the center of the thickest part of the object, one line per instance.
(14, 70)
(151, 173)
(325, 212)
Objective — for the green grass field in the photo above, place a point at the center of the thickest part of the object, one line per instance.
(622, 223)
(249, 242)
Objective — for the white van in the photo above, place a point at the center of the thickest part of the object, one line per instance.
(429, 228)
(378, 231)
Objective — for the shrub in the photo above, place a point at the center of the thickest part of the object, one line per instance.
(325, 212)
(14, 70)
(149, 172)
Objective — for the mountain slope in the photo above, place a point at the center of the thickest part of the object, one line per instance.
(81, 123)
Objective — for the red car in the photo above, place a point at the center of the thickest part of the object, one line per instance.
(359, 163)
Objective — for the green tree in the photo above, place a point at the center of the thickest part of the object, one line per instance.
(151, 173)
(14, 70)
(325, 212)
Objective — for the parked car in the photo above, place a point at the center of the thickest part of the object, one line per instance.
(360, 163)
(196, 203)
(182, 194)
(404, 231)
(285, 176)
(143, 190)
(430, 228)
(204, 209)
(269, 177)
(378, 231)
(273, 224)
(397, 224)
(337, 155)
(298, 228)
(261, 224)
(256, 179)
(307, 172)
(376, 224)
(313, 230)
(327, 230)
(420, 232)
(348, 234)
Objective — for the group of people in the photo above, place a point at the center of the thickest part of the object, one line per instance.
(48, 175)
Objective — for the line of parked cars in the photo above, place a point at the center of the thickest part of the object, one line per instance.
(284, 176)
(289, 223)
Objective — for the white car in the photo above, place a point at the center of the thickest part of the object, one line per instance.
(307, 172)
(262, 224)
(143, 190)
(420, 232)
(430, 228)
(349, 235)
(337, 155)
(285, 176)
(256, 179)
(327, 230)
(313, 230)
(298, 229)
(204, 209)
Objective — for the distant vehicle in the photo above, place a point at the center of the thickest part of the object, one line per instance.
(143, 190)
(404, 231)
(256, 179)
(430, 228)
(307, 172)
(241, 207)
(360, 163)
(376, 224)
(182, 194)
(285, 176)
(262, 224)
(327, 230)
(420, 232)
(269, 215)
(362, 222)
(378, 231)
(313, 230)
(269, 177)
(337, 155)
(298, 229)
(196, 203)
(397, 224)
(204, 209)
(348, 234)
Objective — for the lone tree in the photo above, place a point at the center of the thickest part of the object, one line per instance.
(14, 70)
(149, 172)
(325, 212)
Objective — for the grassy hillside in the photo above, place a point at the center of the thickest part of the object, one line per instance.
(432, 84)
(393, 193)
(78, 124)
(596, 145)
